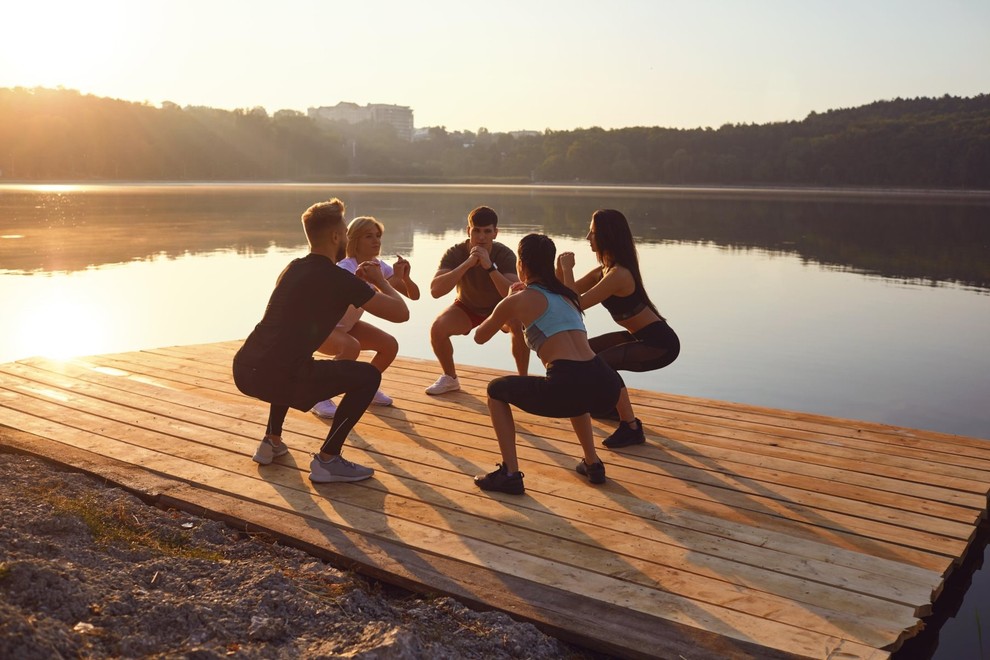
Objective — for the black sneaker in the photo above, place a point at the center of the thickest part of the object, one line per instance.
(626, 436)
(500, 480)
(595, 473)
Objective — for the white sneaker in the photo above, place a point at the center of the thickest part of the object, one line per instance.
(381, 399)
(325, 409)
(444, 384)
(267, 452)
(337, 469)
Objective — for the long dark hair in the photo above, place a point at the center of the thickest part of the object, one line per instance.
(536, 252)
(616, 247)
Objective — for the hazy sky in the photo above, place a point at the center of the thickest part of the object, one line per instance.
(506, 64)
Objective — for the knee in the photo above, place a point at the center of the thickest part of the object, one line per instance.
(442, 330)
(350, 347)
(498, 389)
(390, 346)
(438, 332)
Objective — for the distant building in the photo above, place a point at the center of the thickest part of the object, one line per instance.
(421, 133)
(398, 116)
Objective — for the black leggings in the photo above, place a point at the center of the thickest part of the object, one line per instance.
(317, 381)
(571, 388)
(652, 347)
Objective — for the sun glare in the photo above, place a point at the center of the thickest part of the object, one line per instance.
(60, 327)
(68, 44)
(57, 187)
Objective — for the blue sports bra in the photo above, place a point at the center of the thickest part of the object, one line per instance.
(559, 316)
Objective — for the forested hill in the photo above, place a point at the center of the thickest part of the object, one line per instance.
(59, 135)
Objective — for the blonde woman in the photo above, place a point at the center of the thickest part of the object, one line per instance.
(352, 335)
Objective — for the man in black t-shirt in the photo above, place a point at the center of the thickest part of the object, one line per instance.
(276, 362)
(482, 270)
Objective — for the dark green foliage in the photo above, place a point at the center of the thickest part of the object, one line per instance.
(60, 134)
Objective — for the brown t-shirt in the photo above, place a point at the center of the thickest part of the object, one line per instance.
(476, 290)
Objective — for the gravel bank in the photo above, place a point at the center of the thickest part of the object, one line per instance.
(91, 571)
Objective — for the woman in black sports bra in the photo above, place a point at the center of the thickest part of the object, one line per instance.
(647, 342)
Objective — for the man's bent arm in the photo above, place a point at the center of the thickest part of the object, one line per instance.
(503, 281)
(388, 304)
(445, 280)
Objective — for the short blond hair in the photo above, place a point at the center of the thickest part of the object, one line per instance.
(323, 217)
(356, 228)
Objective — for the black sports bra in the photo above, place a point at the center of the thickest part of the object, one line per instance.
(625, 307)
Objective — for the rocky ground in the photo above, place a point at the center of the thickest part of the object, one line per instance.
(91, 571)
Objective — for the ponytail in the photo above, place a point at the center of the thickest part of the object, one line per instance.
(536, 252)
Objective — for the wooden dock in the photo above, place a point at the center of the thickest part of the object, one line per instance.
(735, 531)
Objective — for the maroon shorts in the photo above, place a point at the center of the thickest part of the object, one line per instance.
(475, 318)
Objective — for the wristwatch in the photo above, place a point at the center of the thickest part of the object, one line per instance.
(492, 268)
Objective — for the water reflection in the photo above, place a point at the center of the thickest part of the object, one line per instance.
(65, 228)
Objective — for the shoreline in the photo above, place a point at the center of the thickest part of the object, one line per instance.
(729, 190)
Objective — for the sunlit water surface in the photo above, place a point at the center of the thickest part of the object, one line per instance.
(755, 327)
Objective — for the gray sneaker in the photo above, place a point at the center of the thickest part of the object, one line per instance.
(267, 452)
(444, 384)
(337, 469)
(325, 409)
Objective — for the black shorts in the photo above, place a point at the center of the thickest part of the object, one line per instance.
(650, 348)
(571, 388)
(308, 384)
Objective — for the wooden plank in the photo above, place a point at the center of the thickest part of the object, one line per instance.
(941, 443)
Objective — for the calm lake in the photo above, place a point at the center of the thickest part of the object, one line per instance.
(860, 305)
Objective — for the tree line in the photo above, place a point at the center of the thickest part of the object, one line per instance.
(60, 135)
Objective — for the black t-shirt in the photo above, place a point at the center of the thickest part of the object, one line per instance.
(309, 299)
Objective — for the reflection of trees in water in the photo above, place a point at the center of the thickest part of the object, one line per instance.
(932, 241)
(910, 241)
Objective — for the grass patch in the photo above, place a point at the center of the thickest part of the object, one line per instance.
(112, 524)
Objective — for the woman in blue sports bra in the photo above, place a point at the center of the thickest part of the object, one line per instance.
(646, 342)
(578, 382)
